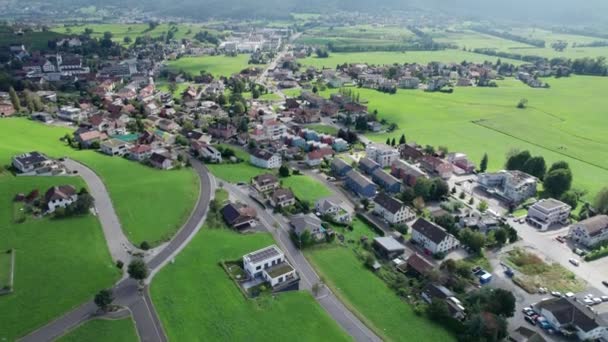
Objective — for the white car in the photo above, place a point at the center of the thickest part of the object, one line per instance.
(556, 294)
(569, 294)
(588, 301)
(574, 262)
(604, 298)
(597, 300)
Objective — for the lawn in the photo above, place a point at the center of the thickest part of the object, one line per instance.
(216, 65)
(179, 90)
(99, 330)
(151, 204)
(197, 301)
(564, 122)
(306, 188)
(320, 128)
(31, 40)
(5, 266)
(356, 36)
(59, 263)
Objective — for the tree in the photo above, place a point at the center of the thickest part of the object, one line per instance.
(474, 240)
(402, 139)
(315, 89)
(393, 143)
(502, 303)
(522, 103)
(423, 188)
(559, 165)
(14, 99)
(601, 201)
(138, 269)
(221, 100)
(255, 93)
(557, 182)
(536, 167)
(438, 310)
(127, 40)
(517, 160)
(103, 299)
(419, 203)
(388, 141)
(408, 194)
(284, 171)
(483, 165)
(482, 206)
(570, 197)
(238, 108)
(501, 236)
(439, 189)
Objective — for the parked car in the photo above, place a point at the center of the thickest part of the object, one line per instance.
(597, 300)
(605, 283)
(556, 294)
(530, 320)
(569, 294)
(604, 298)
(574, 262)
(528, 312)
(588, 301)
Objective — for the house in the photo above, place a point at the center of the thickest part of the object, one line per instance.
(161, 161)
(433, 292)
(360, 185)
(547, 212)
(437, 166)
(265, 159)
(387, 182)
(408, 173)
(419, 265)
(392, 209)
(565, 314)
(327, 207)
(432, 238)
(301, 223)
(410, 151)
(368, 166)
(42, 117)
(239, 216)
(140, 152)
(270, 265)
(167, 125)
(512, 186)
(339, 168)
(69, 113)
(265, 182)
(207, 151)
(60, 197)
(409, 82)
(282, 198)
(114, 147)
(388, 247)
(484, 222)
(87, 138)
(461, 161)
(340, 145)
(29, 163)
(523, 334)
(382, 154)
(591, 231)
(314, 158)
(223, 131)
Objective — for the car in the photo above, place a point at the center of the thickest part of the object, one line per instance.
(597, 300)
(569, 294)
(588, 301)
(528, 311)
(574, 261)
(556, 294)
(605, 283)
(604, 298)
(530, 320)
(542, 290)
(560, 239)
(544, 324)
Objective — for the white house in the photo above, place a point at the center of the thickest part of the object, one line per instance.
(566, 313)
(60, 197)
(114, 147)
(432, 237)
(211, 153)
(140, 152)
(591, 231)
(382, 154)
(265, 182)
(265, 159)
(30, 162)
(326, 206)
(547, 212)
(392, 209)
(69, 113)
(269, 264)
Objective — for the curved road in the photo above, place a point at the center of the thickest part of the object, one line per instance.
(127, 292)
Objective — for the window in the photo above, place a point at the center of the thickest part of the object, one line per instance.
(258, 268)
(280, 279)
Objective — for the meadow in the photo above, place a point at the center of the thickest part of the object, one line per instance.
(356, 35)
(151, 204)
(99, 330)
(306, 188)
(216, 65)
(196, 300)
(31, 40)
(60, 263)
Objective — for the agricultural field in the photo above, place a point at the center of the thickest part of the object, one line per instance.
(381, 58)
(99, 330)
(32, 40)
(67, 258)
(216, 65)
(485, 120)
(151, 204)
(306, 188)
(196, 300)
(357, 35)
(474, 40)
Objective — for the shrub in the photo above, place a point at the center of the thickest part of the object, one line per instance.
(120, 264)
(145, 245)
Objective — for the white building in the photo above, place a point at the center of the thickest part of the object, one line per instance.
(210, 152)
(114, 147)
(547, 212)
(432, 237)
(69, 113)
(382, 154)
(392, 209)
(29, 162)
(60, 197)
(513, 186)
(265, 159)
(326, 206)
(591, 231)
(269, 264)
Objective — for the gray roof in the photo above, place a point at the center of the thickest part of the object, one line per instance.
(549, 203)
(567, 311)
(339, 163)
(263, 254)
(388, 202)
(326, 204)
(432, 231)
(385, 177)
(594, 225)
(302, 222)
(389, 243)
(409, 169)
(263, 154)
(265, 178)
(359, 178)
(368, 163)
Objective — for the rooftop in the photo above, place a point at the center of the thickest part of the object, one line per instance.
(429, 229)
(389, 243)
(549, 204)
(389, 203)
(279, 270)
(266, 253)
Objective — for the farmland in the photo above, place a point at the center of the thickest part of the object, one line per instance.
(99, 330)
(216, 65)
(151, 204)
(196, 300)
(357, 35)
(64, 257)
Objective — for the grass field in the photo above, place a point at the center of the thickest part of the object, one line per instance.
(151, 204)
(306, 188)
(320, 128)
(356, 35)
(216, 65)
(100, 330)
(179, 90)
(197, 301)
(59, 263)
(561, 123)
(31, 40)
(5, 266)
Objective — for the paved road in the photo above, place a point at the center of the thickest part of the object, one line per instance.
(346, 319)
(127, 292)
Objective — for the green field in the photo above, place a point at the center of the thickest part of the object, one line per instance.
(31, 40)
(564, 122)
(59, 263)
(216, 65)
(100, 330)
(356, 35)
(177, 94)
(320, 128)
(5, 267)
(197, 301)
(151, 204)
(306, 188)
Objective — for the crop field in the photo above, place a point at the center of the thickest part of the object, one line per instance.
(358, 35)
(99, 330)
(59, 263)
(196, 300)
(564, 122)
(151, 204)
(474, 40)
(216, 65)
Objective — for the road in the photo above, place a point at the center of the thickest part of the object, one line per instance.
(127, 292)
(277, 226)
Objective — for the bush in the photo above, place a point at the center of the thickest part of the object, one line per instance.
(597, 254)
(145, 245)
(120, 264)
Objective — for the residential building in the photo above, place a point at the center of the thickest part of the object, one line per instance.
(282, 198)
(239, 216)
(433, 238)
(28, 163)
(411, 151)
(114, 147)
(392, 210)
(69, 113)
(326, 206)
(87, 138)
(223, 131)
(547, 212)
(140, 152)
(433, 292)
(161, 161)
(510, 185)
(408, 173)
(388, 247)
(387, 182)
(265, 182)
(265, 159)
(360, 185)
(368, 165)
(419, 265)
(409, 82)
(339, 168)
(382, 154)
(591, 231)
(314, 158)
(60, 197)
(270, 265)
(301, 223)
(571, 315)
(436, 166)
(208, 152)
(461, 161)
